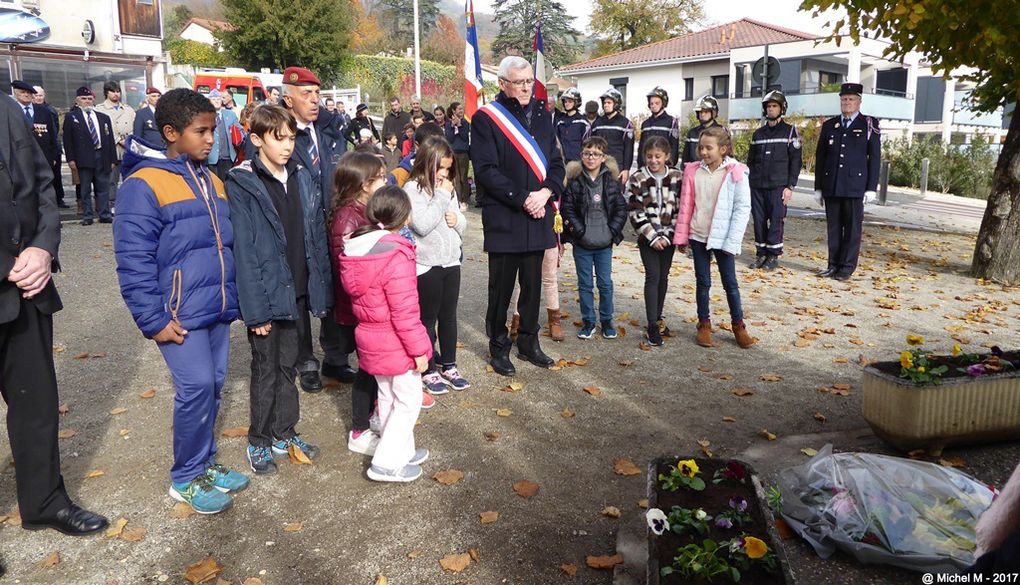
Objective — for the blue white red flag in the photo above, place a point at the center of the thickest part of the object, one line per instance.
(472, 64)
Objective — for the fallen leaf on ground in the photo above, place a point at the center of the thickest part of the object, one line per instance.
(64, 408)
(293, 527)
(809, 451)
(917, 454)
(455, 563)
(743, 392)
(569, 569)
(503, 412)
(414, 554)
(257, 581)
(297, 456)
(840, 361)
(449, 476)
(67, 433)
(98, 354)
(50, 560)
(820, 417)
(491, 436)
(525, 488)
(118, 410)
(204, 570)
(603, 562)
(567, 413)
(703, 444)
(724, 377)
(513, 387)
(643, 346)
(474, 554)
(729, 419)
(952, 462)
(593, 390)
(643, 503)
(488, 517)
(771, 377)
(95, 473)
(133, 534)
(148, 393)
(234, 432)
(182, 510)
(581, 361)
(611, 512)
(625, 467)
(116, 528)
(841, 387)
(766, 434)
(626, 364)
(82, 356)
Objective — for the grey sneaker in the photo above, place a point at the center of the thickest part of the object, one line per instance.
(407, 474)
(421, 455)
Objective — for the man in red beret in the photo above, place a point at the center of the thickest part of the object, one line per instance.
(145, 120)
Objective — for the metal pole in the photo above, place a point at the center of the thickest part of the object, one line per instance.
(883, 182)
(765, 73)
(417, 54)
(924, 176)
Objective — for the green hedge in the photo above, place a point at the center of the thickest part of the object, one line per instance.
(964, 170)
(382, 77)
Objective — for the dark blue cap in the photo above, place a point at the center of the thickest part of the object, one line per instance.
(19, 84)
(851, 89)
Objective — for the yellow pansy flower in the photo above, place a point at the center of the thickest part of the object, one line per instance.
(957, 350)
(687, 468)
(755, 547)
(914, 340)
(906, 359)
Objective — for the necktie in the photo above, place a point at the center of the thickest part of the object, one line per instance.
(92, 130)
(846, 122)
(313, 152)
(28, 114)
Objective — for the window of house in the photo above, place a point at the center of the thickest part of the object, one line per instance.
(827, 79)
(145, 2)
(720, 86)
(688, 88)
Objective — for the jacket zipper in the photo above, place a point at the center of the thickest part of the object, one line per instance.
(176, 292)
(209, 206)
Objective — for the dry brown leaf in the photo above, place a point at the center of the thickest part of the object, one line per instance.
(704, 369)
(293, 527)
(491, 436)
(133, 534)
(503, 412)
(449, 476)
(643, 346)
(611, 512)
(917, 454)
(603, 562)
(703, 444)
(593, 390)
(98, 354)
(643, 503)
(116, 528)
(474, 554)
(766, 434)
(840, 361)
(625, 467)
(567, 413)
(488, 517)
(182, 510)
(513, 387)
(626, 364)
(234, 432)
(414, 554)
(118, 410)
(743, 392)
(148, 393)
(581, 361)
(724, 377)
(297, 456)
(810, 452)
(820, 417)
(64, 408)
(202, 571)
(82, 356)
(802, 343)
(257, 581)
(863, 361)
(455, 563)
(67, 433)
(95, 473)
(569, 569)
(50, 560)
(771, 377)
(729, 419)
(952, 462)
(14, 518)
(841, 386)
(525, 488)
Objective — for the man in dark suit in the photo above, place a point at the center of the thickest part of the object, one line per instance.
(39, 100)
(846, 177)
(29, 238)
(45, 126)
(91, 150)
(145, 120)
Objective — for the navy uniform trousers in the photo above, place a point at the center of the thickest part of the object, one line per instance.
(769, 215)
(843, 218)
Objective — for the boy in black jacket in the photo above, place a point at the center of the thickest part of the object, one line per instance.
(595, 212)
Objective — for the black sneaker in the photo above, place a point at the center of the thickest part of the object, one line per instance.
(759, 261)
(261, 460)
(771, 263)
(653, 335)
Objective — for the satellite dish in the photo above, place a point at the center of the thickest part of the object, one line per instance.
(759, 68)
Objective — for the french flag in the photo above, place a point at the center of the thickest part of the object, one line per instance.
(472, 64)
(539, 91)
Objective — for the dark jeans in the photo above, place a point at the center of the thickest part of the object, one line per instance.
(769, 214)
(843, 217)
(438, 290)
(657, 264)
(504, 270)
(703, 275)
(100, 179)
(58, 180)
(29, 386)
(365, 389)
(329, 340)
(602, 261)
(273, 395)
(460, 184)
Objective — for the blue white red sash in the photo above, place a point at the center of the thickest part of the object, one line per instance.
(519, 137)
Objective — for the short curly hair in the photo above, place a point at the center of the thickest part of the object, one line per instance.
(178, 107)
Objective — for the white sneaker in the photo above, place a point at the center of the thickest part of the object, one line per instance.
(365, 444)
(374, 424)
(409, 473)
(421, 455)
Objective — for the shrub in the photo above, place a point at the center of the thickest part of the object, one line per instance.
(963, 170)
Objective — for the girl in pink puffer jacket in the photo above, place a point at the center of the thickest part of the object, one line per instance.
(377, 270)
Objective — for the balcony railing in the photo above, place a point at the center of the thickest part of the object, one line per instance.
(811, 104)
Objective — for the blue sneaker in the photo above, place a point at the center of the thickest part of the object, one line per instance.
(200, 494)
(225, 479)
(280, 447)
(454, 379)
(261, 460)
(587, 331)
(434, 383)
(608, 331)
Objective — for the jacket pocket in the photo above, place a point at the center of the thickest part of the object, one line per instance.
(176, 294)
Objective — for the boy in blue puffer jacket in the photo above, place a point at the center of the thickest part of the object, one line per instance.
(283, 270)
(173, 238)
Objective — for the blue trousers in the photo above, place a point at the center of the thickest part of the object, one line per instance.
(100, 179)
(602, 261)
(703, 275)
(198, 368)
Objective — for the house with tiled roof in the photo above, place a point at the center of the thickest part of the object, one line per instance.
(719, 61)
(202, 30)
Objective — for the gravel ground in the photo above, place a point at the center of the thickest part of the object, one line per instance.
(651, 403)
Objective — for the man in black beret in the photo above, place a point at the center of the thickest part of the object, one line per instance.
(91, 151)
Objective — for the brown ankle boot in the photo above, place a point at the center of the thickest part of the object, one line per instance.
(744, 338)
(515, 325)
(555, 330)
(705, 334)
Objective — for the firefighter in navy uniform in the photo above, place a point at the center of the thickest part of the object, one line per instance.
(659, 124)
(775, 161)
(846, 178)
(617, 130)
(707, 110)
(571, 125)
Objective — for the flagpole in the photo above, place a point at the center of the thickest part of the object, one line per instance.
(417, 54)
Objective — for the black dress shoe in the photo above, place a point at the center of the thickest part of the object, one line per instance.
(62, 205)
(502, 365)
(343, 374)
(72, 520)
(101, 220)
(770, 263)
(87, 222)
(826, 273)
(310, 382)
(758, 262)
(842, 276)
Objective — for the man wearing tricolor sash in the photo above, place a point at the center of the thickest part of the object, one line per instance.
(517, 163)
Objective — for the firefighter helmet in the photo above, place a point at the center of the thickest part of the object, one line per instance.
(774, 96)
(659, 93)
(612, 94)
(708, 103)
(571, 93)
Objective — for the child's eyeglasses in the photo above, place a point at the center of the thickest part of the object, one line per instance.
(592, 154)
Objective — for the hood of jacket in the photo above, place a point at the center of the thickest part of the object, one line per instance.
(365, 257)
(575, 169)
(139, 154)
(736, 168)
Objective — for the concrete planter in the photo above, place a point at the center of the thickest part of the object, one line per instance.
(960, 411)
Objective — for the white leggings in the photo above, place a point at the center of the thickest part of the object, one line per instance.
(550, 282)
(398, 408)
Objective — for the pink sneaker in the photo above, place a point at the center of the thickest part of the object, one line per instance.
(427, 401)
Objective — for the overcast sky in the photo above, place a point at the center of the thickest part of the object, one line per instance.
(780, 12)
